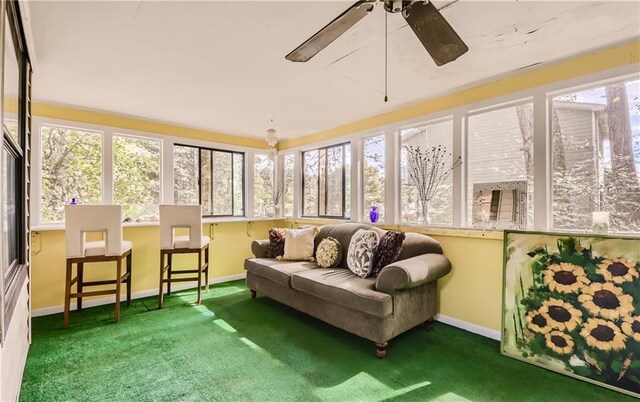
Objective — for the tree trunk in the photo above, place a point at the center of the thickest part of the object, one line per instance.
(624, 178)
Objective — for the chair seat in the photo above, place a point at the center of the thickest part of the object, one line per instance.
(183, 241)
(97, 248)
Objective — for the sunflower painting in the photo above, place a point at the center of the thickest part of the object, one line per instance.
(571, 303)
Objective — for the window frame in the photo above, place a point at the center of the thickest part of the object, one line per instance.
(344, 195)
(244, 178)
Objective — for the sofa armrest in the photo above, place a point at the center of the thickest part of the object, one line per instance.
(259, 248)
(412, 272)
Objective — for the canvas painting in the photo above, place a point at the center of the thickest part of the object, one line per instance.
(571, 303)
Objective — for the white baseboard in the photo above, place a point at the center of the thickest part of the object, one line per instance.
(137, 295)
(476, 329)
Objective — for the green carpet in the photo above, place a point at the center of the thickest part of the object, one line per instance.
(233, 348)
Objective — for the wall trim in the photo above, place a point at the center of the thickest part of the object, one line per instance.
(467, 326)
(136, 295)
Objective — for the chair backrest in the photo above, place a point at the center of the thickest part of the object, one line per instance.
(180, 216)
(80, 219)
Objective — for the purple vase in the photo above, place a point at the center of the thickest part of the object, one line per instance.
(374, 214)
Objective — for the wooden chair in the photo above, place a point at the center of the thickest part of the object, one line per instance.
(182, 217)
(83, 219)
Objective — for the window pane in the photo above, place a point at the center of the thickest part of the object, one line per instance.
(10, 223)
(136, 177)
(222, 183)
(310, 178)
(71, 168)
(435, 143)
(238, 184)
(263, 186)
(500, 158)
(373, 157)
(206, 191)
(596, 156)
(347, 180)
(11, 84)
(335, 193)
(186, 173)
(288, 185)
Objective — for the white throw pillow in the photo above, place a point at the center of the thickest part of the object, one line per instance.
(298, 244)
(360, 253)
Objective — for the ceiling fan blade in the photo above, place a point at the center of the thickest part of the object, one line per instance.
(441, 41)
(331, 31)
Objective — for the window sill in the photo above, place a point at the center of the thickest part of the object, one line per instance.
(53, 227)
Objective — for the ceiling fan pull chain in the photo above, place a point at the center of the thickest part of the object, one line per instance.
(386, 58)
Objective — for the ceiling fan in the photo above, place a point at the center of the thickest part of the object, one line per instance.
(441, 41)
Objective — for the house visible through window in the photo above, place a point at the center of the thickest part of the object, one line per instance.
(596, 156)
(326, 181)
(136, 177)
(71, 168)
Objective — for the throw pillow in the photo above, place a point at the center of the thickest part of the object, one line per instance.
(388, 251)
(360, 253)
(276, 242)
(329, 253)
(298, 244)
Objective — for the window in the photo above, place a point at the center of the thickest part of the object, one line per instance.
(186, 175)
(596, 156)
(10, 184)
(373, 175)
(325, 182)
(136, 177)
(434, 204)
(71, 168)
(263, 186)
(209, 177)
(287, 187)
(500, 168)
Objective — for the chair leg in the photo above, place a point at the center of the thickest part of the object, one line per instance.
(169, 264)
(199, 276)
(79, 286)
(67, 295)
(129, 263)
(118, 275)
(161, 292)
(206, 271)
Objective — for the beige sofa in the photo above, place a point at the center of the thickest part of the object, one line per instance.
(402, 296)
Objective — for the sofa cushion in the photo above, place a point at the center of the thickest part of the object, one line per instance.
(277, 271)
(342, 287)
(343, 233)
(360, 254)
(388, 251)
(329, 253)
(276, 242)
(298, 244)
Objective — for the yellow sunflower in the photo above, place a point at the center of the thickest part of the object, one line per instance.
(606, 300)
(565, 278)
(618, 270)
(537, 322)
(603, 334)
(559, 342)
(631, 327)
(560, 315)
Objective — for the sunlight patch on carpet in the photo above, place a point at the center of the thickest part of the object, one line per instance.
(450, 397)
(224, 325)
(362, 384)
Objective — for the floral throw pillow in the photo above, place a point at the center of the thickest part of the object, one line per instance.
(388, 251)
(276, 242)
(360, 253)
(329, 253)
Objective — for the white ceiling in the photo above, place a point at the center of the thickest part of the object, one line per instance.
(220, 66)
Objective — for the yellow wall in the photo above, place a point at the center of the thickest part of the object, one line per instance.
(546, 74)
(106, 119)
(227, 253)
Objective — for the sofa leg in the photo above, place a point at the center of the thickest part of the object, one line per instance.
(253, 293)
(428, 325)
(381, 349)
